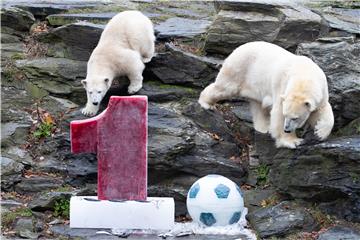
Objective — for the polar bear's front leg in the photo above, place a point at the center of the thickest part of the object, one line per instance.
(322, 120)
(90, 109)
(260, 117)
(283, 139)
(135, 83)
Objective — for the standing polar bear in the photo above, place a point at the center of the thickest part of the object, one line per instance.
(284, 90)
(126, 43)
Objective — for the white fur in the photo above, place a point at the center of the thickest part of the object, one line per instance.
(126, 43)
(284, 91)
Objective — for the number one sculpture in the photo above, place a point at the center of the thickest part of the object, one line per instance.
(119, 138)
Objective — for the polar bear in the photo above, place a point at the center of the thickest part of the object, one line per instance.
(284, 91)
(126, 43)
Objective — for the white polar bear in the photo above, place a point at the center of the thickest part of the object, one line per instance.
(126, 43)
(284, 90)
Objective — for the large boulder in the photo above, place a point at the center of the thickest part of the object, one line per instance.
(195, 71)
(339, 59)
(243, 21)
(59, 76)
(280, 220)
(17, 19)
(326, 173)
(74, 41)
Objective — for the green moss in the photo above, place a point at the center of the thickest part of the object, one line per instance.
(99, 9)
(18, 56)
(8, 218)
(262, 172)
(62, 208)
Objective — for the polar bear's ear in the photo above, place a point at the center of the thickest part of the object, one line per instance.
(84, 82)
(310, 105)
(282, 97)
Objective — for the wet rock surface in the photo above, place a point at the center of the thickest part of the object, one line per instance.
(238, 22)
(280, 220)
(39, 174)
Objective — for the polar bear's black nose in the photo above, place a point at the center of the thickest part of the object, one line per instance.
(287, 131)
(95, 103)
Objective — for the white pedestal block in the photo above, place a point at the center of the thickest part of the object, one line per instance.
(155, 213)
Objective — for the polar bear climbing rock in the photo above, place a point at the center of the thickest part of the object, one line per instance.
(126, 43)
(284, 90)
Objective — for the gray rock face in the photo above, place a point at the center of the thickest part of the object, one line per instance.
(195, 71)
(38, 184)
(10, 172)
(46, 7)
(68, 18)
(74, 41)
(58, 76)
(282, 219)
(339, 233)
(16, 19)
(347, 20)
(25, 227)
(181, 28)
(325, 172)
(340, 62)
(239, 22)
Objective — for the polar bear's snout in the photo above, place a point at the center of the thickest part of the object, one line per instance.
(290, 125)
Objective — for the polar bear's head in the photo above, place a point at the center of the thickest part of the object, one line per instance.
(96, 88)
(296, 110)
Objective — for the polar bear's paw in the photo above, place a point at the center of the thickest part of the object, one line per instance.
(134, 88)
(322, 130)
(206, 106)
(288, 142)
(89, 111)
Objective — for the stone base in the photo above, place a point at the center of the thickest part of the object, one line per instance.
(156, 213)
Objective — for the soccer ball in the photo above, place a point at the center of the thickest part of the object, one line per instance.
(215, 200)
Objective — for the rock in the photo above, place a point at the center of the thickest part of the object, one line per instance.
(38, 184)
(8, 38)
(159, 92)
(179, 27)
(196, 71)
(74, 41)
(243, 21)
(339, 233)
(16, 19)
(68, 18)
(242, 110)
(339, 60)
(11, 172)
(11, 51)
(353, 128)
(253, 198)
(43, 8)
(24, 227)
(10, 203)
(280, 220)
(58, 76)
(325, 172)
(46, 201)
(342, 19)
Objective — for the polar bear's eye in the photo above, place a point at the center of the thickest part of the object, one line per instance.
(99, 91)
(294, 119)
(90, 92)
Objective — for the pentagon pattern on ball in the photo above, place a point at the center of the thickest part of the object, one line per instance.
(207, 218)
(222, 191)
(235, 217)
(194, 190)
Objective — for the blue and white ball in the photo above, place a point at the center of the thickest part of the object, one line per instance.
(215, 200)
